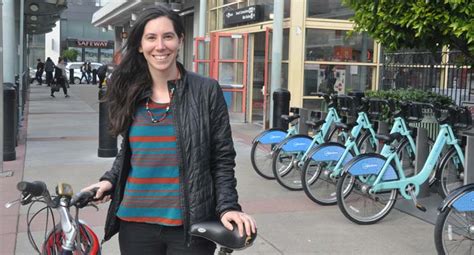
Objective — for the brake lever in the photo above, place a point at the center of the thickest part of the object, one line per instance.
(23, 200)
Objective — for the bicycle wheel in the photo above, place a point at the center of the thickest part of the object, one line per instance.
(285, 169)
(454, 232)
(261, 158)
(367, 144)
(357, 204)
(451, 174)
(89, 243)
(316, 180)
(336, 135)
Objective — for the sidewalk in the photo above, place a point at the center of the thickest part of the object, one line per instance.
(61, 146)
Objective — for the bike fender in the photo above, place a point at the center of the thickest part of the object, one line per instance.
(370, 163)
(296, 143)
(271, 136)
(330, 152)
(462, 199)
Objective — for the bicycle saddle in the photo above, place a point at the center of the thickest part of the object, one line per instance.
(216, 232)
(290, 118)
(388, 139)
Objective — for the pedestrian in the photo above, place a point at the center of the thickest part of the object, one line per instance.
(176, 162)
(89, 71)
(84, 73)
(49, 69)
(60, 77)
(102, 73)
(39, 72)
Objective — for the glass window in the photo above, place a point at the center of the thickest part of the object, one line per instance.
(336, 45)
(336, 78)
(106, 55)
(328, 9)
(91, 54)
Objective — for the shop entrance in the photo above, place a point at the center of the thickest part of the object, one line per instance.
(223, 56)
(260, 97)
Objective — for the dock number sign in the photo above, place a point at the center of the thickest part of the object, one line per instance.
(243, 15)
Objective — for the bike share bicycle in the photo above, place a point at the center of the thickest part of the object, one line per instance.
(324, 164)
(73, 236)
(291, 153)
(373, 181)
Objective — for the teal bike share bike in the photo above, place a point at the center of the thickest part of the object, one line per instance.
(370, 183)
(454, 230)
(325, 162)
(291, 153)
(263, 145)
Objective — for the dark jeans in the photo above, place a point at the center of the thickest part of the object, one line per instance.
(62, 83)
(154, 239)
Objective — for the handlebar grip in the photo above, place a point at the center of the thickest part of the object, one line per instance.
(36, 188)
(81, 199)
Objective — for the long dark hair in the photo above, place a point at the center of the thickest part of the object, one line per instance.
(131, 78)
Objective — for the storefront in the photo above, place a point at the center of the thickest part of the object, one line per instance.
(99, 51)
(318, 55)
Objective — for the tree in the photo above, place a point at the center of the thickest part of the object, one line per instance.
(70, 54)
(428, 24)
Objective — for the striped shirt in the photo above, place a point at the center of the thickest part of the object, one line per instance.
(152, 190)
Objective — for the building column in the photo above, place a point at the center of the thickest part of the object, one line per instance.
(297, 47)
(10, 53)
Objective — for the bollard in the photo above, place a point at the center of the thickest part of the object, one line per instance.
(9, 119)
(421, 154)
(281, 105)
(107, 143)
(71, 75)
(94, 76)
(469, 160)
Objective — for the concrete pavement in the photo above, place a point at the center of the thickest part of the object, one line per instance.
(60, 145)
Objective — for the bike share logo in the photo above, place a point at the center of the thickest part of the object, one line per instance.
(275, 137)
(329, 153)
(367, 166)
(299, 144)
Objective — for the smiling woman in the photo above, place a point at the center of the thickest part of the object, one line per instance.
(176, 163)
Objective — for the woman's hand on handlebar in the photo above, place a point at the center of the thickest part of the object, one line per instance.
(241, 219)
(103, 186)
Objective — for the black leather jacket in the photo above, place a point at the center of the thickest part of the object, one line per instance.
(205, 150)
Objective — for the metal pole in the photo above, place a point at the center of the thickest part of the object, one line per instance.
(277, 47)
(21, 67)
(202, 17)
(1, 82)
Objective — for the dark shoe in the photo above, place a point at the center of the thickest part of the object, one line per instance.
(52, 95)
(66, 96)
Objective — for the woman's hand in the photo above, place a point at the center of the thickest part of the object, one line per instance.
(103, 187)
(243, 221)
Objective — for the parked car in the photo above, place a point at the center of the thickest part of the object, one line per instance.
(33, 75)
(77, 70)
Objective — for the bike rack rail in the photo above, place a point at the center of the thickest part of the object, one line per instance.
(469, 160)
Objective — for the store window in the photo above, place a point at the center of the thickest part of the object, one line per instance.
(106, 55)
(328, 9)
(336, 45)
(330, 78)
(219, 7)
(91, 54)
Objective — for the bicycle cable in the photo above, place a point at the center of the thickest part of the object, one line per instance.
(30, 220)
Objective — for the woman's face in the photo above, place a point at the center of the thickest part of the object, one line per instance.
(160, 45)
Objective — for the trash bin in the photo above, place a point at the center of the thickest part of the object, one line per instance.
(281, 105)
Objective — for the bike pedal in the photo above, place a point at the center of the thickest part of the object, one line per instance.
(420, 207)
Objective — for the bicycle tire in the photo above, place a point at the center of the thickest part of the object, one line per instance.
(90, 244)
(353, 213)
(460, 234)
(450, 173)
(262, 166)
(284, 164)
(317, 183)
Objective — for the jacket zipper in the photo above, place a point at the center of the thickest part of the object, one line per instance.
(184, 200)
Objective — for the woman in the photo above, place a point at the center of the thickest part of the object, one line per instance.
(176, 162)
(60, 77)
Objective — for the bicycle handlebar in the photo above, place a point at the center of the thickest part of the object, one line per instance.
(36, 188)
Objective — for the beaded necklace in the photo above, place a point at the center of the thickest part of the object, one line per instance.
(168, 105)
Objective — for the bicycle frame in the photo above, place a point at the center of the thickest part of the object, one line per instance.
(399, 126)
(445, 137)
(300, 146)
